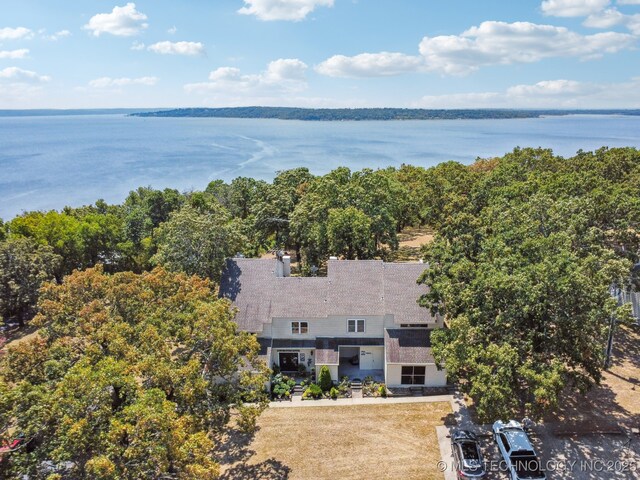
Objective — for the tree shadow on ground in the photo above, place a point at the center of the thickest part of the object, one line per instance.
(235, 456)
(270, 469)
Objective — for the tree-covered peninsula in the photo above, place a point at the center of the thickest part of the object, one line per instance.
(364, 114)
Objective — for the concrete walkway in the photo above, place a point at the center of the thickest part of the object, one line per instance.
(343, 402)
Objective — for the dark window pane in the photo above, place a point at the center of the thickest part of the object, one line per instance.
(407, 379)
(419, 370)
(304, 327)
(407, 370)
(418, 380)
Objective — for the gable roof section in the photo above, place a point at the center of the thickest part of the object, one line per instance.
(408, 345)
(356, 287)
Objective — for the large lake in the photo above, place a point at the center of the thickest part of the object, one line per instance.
(50, 162)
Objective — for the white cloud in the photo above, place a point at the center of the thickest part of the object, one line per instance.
(490, 43)
(138, 46)
(546, 94)
(611, 17)
(57, 36)
(177, 48)
(369, 65)
(596, 11)
(17, 75)
(294, 10)
(122, 21)
(500, 43)
(14, 54)
(18, 33)
(572, 8)
(172, 30)
(282, 75)
(108, 82)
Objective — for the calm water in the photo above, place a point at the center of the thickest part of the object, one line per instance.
(50, 162)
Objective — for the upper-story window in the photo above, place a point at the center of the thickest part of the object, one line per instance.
(299, 327)
(355, 325)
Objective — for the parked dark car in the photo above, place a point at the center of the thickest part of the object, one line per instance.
(518, 453)
(467, 458)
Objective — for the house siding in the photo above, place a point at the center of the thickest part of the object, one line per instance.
(433, 376)
(334, 326)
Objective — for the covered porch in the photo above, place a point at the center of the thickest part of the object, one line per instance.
(355, 358)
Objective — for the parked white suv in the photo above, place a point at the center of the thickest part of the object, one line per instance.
(517, 451)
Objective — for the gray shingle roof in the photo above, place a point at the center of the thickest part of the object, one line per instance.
(328, 353)
(408, 345)
(357, 287)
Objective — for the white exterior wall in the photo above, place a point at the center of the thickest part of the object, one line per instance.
(334, 326)
(433, 376)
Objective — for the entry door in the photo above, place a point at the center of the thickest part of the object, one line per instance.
(371, 358)
(288, 361)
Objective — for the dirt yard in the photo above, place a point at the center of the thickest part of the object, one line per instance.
(346, 442)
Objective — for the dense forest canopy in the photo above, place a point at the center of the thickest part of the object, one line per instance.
(362, 114)
(526, 249)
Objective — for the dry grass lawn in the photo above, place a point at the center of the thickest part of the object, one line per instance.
(346, 442)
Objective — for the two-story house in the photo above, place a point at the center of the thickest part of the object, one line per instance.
(362, 319)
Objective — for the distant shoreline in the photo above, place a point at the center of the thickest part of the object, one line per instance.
(372, 114)
(323, 114)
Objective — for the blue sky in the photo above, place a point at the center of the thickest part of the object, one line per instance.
(320, 53)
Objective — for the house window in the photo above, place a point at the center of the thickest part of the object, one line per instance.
(355, 325)
(412, 375)
(298, 328)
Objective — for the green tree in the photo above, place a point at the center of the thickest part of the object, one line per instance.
(273, 213)
(198, 241)
(324, 380)
(82, 237)
(521, 268)
(375, 193)
(349, 233)
(24, 267)
(130, 377)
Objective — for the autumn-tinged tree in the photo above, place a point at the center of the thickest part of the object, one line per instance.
(24, 267)
(129, 378)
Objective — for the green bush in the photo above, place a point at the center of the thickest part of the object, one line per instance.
(313, 391)
(325, 381)
(282, 386)
(382, 390)
(334, 393)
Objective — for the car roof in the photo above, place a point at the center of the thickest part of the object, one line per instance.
(517, 439)
(461, 435)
